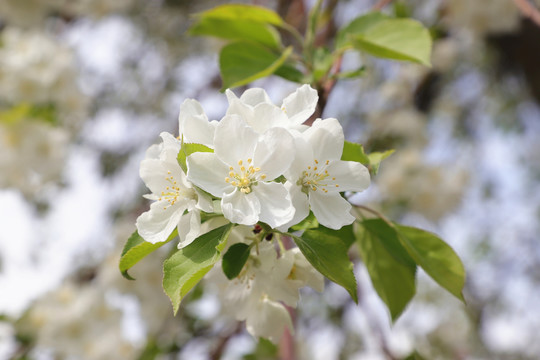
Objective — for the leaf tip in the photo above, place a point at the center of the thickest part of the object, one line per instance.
(126, 275)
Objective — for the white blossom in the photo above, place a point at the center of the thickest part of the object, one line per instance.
(241, 172)
(266, 283)
(256, 109)
(172, 195)
(317, 176)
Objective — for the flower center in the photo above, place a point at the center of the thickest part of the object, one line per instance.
(317, 177)
(173, 192)
(246, 177)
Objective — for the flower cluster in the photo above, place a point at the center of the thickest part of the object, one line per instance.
(262, 169)
(266, 281)
(260, 164)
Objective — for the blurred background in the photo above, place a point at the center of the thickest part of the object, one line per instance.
(87, 85)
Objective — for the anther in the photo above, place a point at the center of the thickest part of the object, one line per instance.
(240, 162)
(327, 161)
(316, 161)
(250, 160)
(227, 179)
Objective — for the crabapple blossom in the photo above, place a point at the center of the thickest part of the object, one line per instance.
(266, 281)
(241, 172)
(317, 176)
(172, 195)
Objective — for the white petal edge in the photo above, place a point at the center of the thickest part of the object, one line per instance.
(208, 172)
(331, 210)
(350, 176)
(301, 104)
(274, 152)
(158, 223)
(234, 140)
(240, 208)
(276, 204)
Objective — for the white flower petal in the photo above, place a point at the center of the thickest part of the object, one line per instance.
(331, 210)
(276, 205)
(300, 203)
(266, 116)
(255, 96)
(268, 319)
(305, 272)
(240, 208)
(274, 152)
(303, 157)
(208, 172)
(234, 140)
(194, 125)
(301, 104)
(349, 175)
(189, 228)
(154, 174)
(325, 145)
(332, 125)
(158, 223)
(204, 202)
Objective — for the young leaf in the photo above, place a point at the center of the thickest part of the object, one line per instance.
(392, 277)
(243, 62)
(137, 248)
(358, 26)
(237, 29)
(234, 259)
(186, 267)
(242, 12)
(328, 254)
(351, 74)
(354, 152)
(290, 72)
(434, 256)
(310, 222)
(398, 39)
(375, 159)
(188, 149)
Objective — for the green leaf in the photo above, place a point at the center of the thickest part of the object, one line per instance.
(136, 248)
(398, 39)
(323, 60)
(237, 29)
(434, 256)
(354, 152)
(188, 149)
(345, 234)
(186, 267)
(234, 259)
(358, 26)
(310, 222)
(242, 12)
(243, 62)
(375, 159)
(351, 74)
(291, 73)
(392, 271)
(328, 254)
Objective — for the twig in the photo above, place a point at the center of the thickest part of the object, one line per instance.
(380, 4)
(375, 212)
(528, 10)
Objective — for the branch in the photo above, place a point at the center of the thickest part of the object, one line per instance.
(528, 10)
(380, 4)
